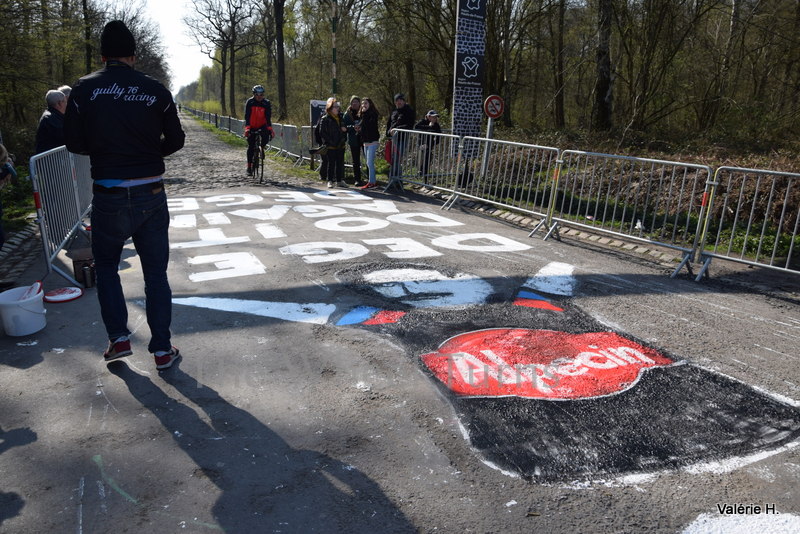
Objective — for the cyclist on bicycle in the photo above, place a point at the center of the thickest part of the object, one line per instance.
(257, 117)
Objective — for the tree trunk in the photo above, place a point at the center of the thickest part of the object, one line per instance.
(232, 73)
(224, 64)
(505, 90)
(601, 114)
(558, 78)
(47, 40)
(87, 34)
(411, 85)
(279, 58)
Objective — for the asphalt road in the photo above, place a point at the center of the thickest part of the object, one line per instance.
(370, 363)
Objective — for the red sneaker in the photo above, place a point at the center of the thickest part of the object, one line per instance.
(164, 360)
(118, 349)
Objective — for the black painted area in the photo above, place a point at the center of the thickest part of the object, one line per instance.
(674, 416)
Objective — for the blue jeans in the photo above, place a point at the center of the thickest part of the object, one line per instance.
(142, 215)
(369, 152)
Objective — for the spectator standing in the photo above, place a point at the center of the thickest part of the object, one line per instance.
(401, 118)
(50, 133)
(320, 148)
(429, 124)
(334, 136)
(352, 122)
(257, 116)
(370, 137)
(127, 123)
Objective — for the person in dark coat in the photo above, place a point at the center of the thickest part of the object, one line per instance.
(401, 118)
(352, 122)
(334, 136)
(50, 133)
(429, 124)
(370, 137)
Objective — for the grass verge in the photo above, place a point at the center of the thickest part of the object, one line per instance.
(17, 201)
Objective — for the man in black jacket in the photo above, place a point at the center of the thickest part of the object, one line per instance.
(428, 143)
(118, 117)
(401, 118)
(50, 132)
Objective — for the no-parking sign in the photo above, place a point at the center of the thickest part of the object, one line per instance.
(494, 106)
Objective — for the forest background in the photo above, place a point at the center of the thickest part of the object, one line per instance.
(697, 80)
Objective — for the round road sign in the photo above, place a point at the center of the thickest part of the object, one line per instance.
(494, 106)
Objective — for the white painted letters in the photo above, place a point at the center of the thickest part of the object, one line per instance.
(496, 243)
(318, 251)
(228, 266)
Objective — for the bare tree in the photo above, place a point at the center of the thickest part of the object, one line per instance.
(218, 26)
(149, 49)
(280, 57)
(603, 95)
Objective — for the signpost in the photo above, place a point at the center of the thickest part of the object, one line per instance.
(493, 106)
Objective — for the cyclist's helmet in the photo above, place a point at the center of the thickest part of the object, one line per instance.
(258, 89)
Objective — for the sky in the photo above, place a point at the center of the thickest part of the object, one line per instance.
(183, 55)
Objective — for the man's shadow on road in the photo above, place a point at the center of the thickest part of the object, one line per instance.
(11, 503)
(264, 481)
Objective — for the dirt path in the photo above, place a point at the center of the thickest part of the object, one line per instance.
(205, 162)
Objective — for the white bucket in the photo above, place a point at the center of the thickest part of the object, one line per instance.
(22, 317)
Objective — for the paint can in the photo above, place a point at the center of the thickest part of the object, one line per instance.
(22, 316)
(88, 276)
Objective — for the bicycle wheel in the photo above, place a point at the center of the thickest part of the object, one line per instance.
(260, 157)
(256, 164)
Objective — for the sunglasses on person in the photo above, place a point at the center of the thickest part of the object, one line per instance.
(259, 93)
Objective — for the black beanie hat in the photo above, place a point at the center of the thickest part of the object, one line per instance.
(117, 40)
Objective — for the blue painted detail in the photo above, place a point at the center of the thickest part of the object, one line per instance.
(357, 315)
(530, 295)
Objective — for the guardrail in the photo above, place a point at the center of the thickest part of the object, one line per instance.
(748, 216)
(62, 193)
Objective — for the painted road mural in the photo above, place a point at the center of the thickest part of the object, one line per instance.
(542, 390)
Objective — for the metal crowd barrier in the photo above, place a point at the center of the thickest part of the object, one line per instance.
(277, 142)
(306, 142)
(62, 192)
(639, 199)
(507, 174)
(753, 218)
(291, 142)
(425, 158)
(750, 216)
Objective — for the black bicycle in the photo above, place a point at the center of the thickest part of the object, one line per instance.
(258, 156)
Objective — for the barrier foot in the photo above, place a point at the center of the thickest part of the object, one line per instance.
(684, 263)
(536, 228)
(553, 231)
(703, 270)
(394, 182)
(450, 202)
